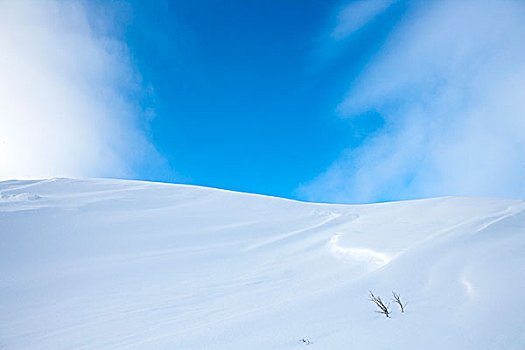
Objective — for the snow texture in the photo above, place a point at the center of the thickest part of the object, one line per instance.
(110, 264)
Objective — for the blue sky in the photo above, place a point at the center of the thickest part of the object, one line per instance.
(335, 101)
(245, 97)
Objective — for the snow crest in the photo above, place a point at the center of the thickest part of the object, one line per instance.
(110, 264)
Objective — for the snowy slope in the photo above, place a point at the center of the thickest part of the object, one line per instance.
(108, 264)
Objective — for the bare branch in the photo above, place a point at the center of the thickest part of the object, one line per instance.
(383, 309)
(397, 299)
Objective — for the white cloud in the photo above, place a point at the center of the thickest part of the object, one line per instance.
(450, 85)
(66, 96)
(356, 15)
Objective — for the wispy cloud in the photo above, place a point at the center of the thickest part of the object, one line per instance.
(67, 96)
(450, 85)
(356, 15)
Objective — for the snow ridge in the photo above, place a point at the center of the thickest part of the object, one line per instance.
(111, 264)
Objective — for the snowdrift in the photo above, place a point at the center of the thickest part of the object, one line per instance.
(110, 264)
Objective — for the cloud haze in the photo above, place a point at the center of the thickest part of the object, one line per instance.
(356, 15)
(450, 86)
(67, 96)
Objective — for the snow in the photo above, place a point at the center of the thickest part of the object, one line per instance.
(112, 264)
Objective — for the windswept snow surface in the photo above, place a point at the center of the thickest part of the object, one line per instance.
(109, 264)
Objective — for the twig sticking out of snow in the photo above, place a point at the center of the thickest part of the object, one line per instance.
(383, 309)
(397, 299)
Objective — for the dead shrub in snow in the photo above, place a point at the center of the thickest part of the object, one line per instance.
(383, 309)
(397, 299)
(305, 341)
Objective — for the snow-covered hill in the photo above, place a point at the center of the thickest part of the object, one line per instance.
(108, 264)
